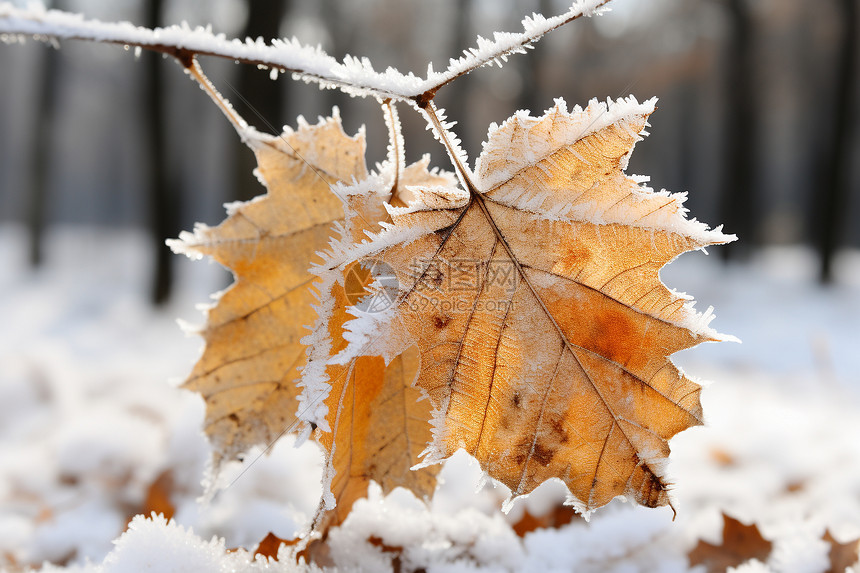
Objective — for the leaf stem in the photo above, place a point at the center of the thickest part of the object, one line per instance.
(194, 70)
(396, 152)
(452, 145)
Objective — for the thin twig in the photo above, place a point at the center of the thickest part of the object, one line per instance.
(505, 44)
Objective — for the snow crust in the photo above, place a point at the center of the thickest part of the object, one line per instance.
(157, 544)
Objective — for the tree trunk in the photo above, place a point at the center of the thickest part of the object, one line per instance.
(163, 196)
(456, 96)
(40, 155)
(837, 163)
(739, 198)
(343, 39)
(530, 67)
(258, 98)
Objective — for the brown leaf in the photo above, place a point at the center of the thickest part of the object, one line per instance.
(556, 517)
(722, 457)
(317, 552)
(158, 496)
(254, 350)
(795, 486)
(378, 430)
(842, 555)
(270, 545)
(253, 353)
(395, 550)
(534, 297)
(741, 543)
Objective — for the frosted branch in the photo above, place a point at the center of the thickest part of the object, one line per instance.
(308, 63)
(496, 51)
(354, 76)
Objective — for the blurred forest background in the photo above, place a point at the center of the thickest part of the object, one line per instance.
(758, 115)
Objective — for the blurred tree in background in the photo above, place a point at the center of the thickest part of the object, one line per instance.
(757, 120)
(163, 193)
(836, 165)
(257, 98)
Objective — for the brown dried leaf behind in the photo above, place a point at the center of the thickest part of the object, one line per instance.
(842, 555)
(253, 353)
(379, 425)
(741, 543)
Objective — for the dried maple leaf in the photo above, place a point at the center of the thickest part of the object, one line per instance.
(534, 298)
(741, 543)
(249, 368)
(253, 352)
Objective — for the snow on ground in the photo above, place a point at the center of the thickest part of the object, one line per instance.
(90, 416)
